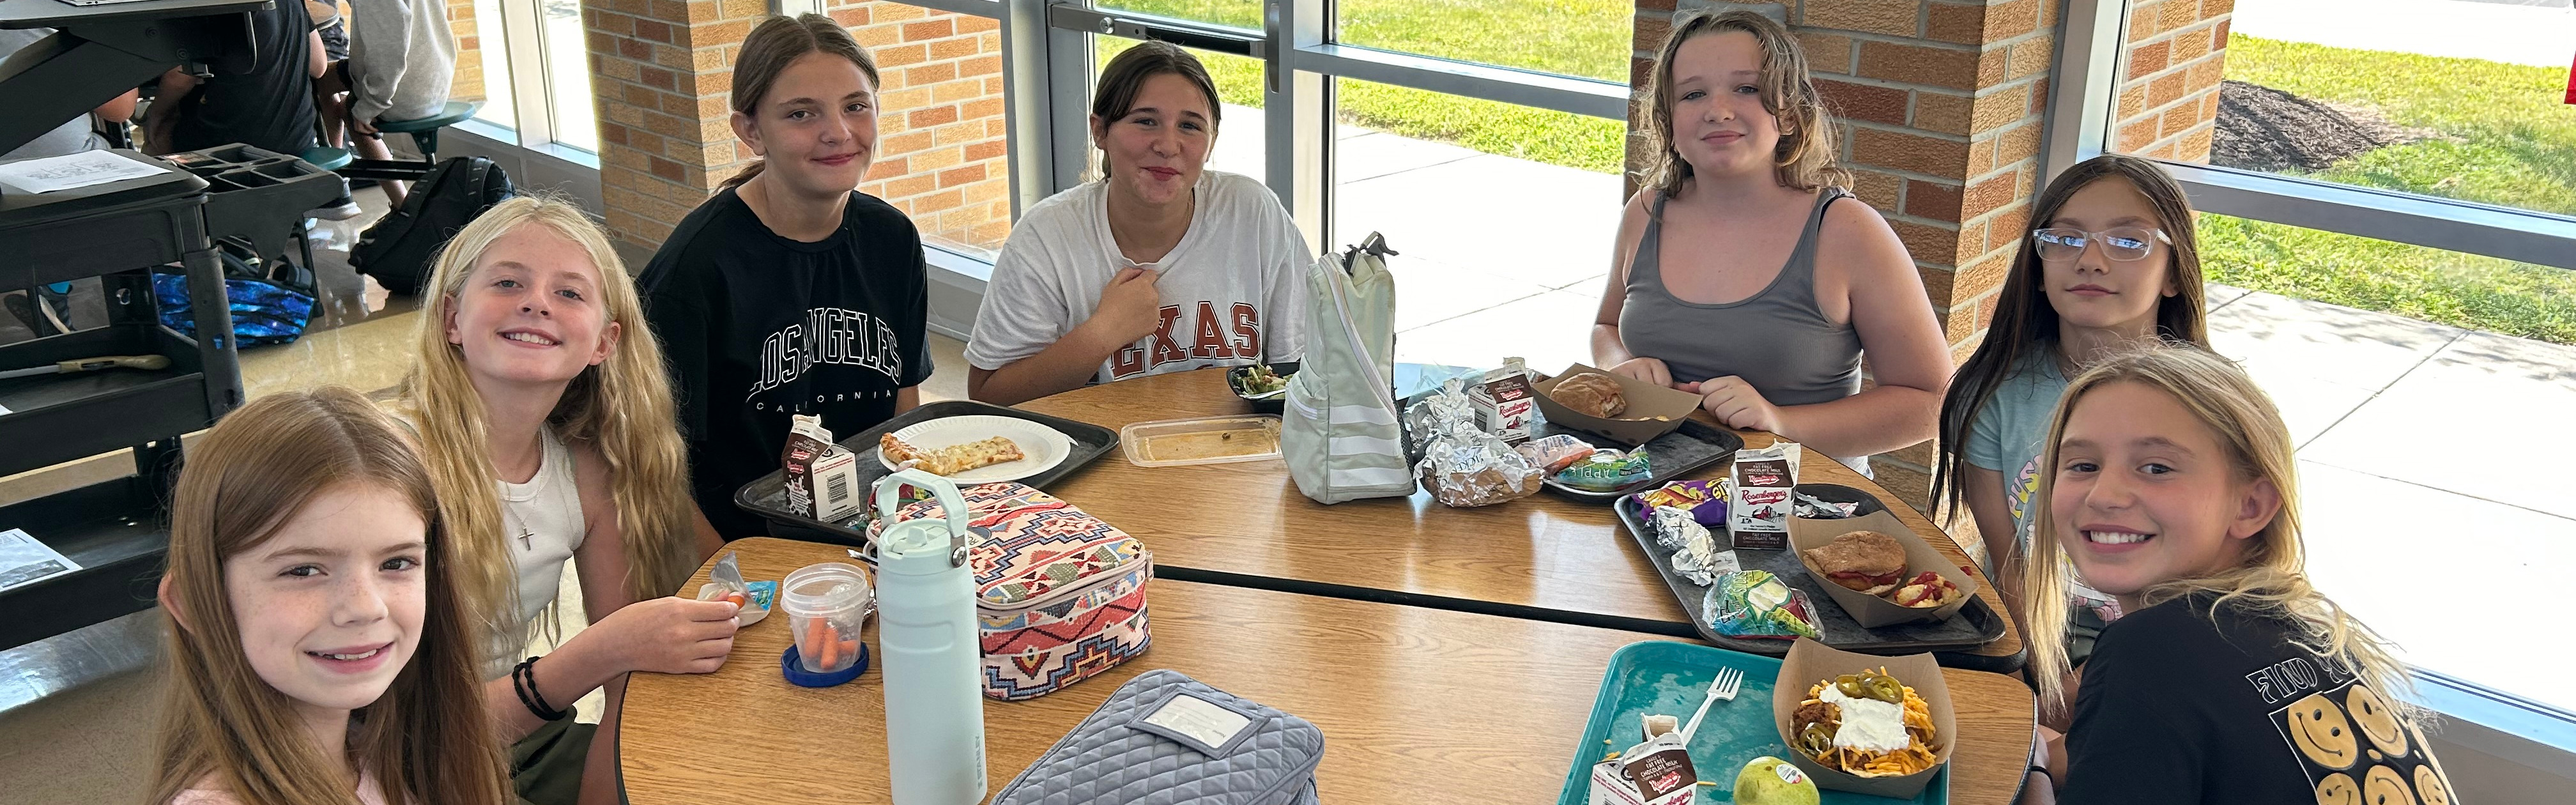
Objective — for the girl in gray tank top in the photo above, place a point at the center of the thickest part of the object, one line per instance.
(1778, 339)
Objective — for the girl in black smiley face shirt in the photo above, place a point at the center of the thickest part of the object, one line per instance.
(787, 293)
(2168, 480)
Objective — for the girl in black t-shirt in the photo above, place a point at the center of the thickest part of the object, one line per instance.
(2169, 481)
(789, 293)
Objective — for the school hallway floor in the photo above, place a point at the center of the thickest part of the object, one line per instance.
(2427, 453)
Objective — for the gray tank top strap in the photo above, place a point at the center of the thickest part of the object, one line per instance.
(1797, 283)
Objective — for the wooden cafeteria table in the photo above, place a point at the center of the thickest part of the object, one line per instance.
(1419, 706)
(1543, 556)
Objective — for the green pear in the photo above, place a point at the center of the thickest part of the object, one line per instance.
(1772, 781)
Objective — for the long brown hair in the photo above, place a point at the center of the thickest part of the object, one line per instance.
(2026, 324)
(777, 42)
(623, 406)
(1805, 158)
(2271, 579)
(1114, 95)
(427, 739)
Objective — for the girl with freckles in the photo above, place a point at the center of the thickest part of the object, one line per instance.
(320, 651)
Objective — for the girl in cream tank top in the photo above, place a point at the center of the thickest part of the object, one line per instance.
(543, 523)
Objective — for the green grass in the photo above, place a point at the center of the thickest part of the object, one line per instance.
(2502, 138)
(2503, 134)
(2482, 293)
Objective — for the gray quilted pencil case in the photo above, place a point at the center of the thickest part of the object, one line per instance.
(1167, 739)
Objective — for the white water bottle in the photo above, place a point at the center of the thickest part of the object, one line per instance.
(926, 629)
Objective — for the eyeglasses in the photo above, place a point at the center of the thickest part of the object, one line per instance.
(2121, 244)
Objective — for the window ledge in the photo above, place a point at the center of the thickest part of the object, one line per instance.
(2489, 721)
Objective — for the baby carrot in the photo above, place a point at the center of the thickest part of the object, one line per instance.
(819, 636)
(850, 647)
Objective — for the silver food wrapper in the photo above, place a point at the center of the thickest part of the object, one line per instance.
(1695, 554)
(1462, 465)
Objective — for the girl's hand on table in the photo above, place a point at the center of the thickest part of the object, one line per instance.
(1735, 404)
(669, 635)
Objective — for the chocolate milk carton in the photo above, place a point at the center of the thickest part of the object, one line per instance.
(1757, 514)
(1505, 402)
(822, 478)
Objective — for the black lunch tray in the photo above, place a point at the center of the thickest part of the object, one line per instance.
(767, 495)
(1673, 456)
(1974, 626)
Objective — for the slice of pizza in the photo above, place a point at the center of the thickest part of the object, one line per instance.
(952, 459)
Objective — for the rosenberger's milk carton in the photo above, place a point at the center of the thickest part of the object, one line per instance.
(822, 477)
(1757, 514)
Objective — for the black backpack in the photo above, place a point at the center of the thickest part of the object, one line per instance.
(398, 250)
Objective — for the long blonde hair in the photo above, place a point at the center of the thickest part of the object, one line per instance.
(427, 738)
(1806, 156)
(622, 406)
(2272, 578)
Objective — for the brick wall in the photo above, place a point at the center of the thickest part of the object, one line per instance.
(2168, 102)
(662, 73)
(467, 83)
(941, 156)
(1939, 102)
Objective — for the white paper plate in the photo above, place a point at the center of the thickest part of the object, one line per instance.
(1045, 446)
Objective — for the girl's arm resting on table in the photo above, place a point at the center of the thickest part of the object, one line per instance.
(1063, 366)
(907, 398)
(1984, 490)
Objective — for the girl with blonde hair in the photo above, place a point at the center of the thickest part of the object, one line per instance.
(1736, 274)
(2170, 482)
(320, 650)
(546, 419)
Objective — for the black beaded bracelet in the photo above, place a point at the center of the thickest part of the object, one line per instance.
(523, 679)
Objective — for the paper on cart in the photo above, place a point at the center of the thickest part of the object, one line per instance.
(23, 560)
(69, 171)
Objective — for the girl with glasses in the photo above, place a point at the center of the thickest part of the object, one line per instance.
(2112, 262)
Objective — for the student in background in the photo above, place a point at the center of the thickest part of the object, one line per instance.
(268, 106)
(1738, 277)
(2171, 484)
(2112, 264)
(1160, 266)
(401, 56)
(320, 650)
(545, 417)
(789, 292)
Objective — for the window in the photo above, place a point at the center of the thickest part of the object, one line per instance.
(2463, 104)
(942, 140)
(1503, 215)
(567, 59)
(491, 50)
(1229, 13)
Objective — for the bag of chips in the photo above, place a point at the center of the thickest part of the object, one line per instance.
(1754, 603)
(1606, 471)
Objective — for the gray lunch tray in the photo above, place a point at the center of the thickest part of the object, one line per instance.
(1974, 626)
(767, 495)
(1115, 758)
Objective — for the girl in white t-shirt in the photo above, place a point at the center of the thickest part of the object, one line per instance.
(1160, 266)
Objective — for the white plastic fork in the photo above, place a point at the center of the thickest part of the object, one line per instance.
(1728, 682)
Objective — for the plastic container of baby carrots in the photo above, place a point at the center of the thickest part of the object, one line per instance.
(827, 604)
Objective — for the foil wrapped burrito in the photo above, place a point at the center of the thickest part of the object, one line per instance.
(1462, 465)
